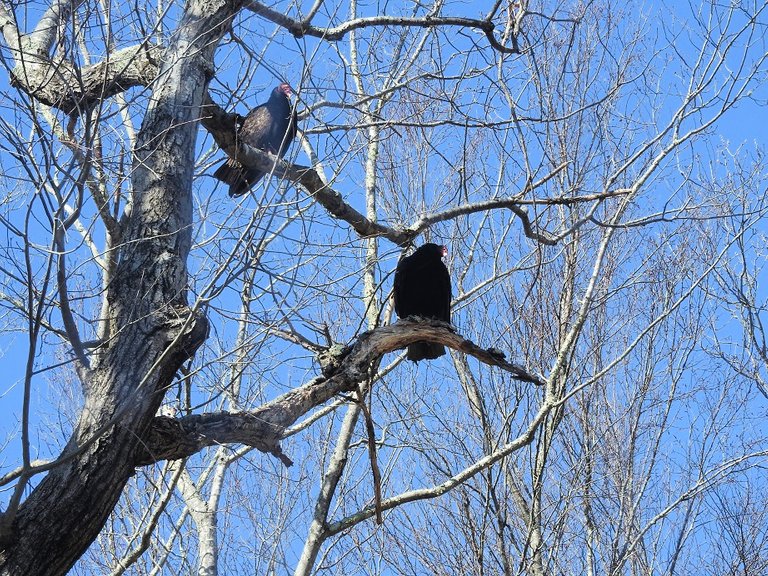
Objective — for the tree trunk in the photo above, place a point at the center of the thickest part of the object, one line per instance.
(154, 329)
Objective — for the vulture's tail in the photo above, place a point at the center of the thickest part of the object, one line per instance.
(425, 351)
(239, 179)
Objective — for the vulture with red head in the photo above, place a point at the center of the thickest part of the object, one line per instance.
(269, 127)
(423, 288)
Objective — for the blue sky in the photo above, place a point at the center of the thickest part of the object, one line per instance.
(420, 170)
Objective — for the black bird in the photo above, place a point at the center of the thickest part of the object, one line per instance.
(269, 127)
(423, 288)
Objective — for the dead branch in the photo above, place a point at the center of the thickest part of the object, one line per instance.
(304, 28)
(264, 427)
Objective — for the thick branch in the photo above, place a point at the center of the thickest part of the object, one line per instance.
(9, 29)
(264, 427)
(41, 40)
(61, 85)
(154, 331)
(304, 28)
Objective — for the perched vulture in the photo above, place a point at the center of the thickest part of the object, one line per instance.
(269, 127)
(423, 288)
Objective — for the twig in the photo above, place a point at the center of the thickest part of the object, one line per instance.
(372, 454)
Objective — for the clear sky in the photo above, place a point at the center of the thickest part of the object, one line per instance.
(421, 171)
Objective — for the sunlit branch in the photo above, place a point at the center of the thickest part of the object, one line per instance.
(148, 533)
(41, 40)
(60, 85)
(172, 438)
(9, 29)
(304, 28)
(438, 490)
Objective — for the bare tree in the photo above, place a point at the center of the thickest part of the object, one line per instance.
(219, 394)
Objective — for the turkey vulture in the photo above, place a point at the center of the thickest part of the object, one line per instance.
(269, 127)
(423, 288)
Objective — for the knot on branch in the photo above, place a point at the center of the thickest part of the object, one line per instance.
(165, 432)
(299, 29)
(194, 327)
(330, 359)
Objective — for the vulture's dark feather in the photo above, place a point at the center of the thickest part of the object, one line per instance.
(423, 288)
(269, 127)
